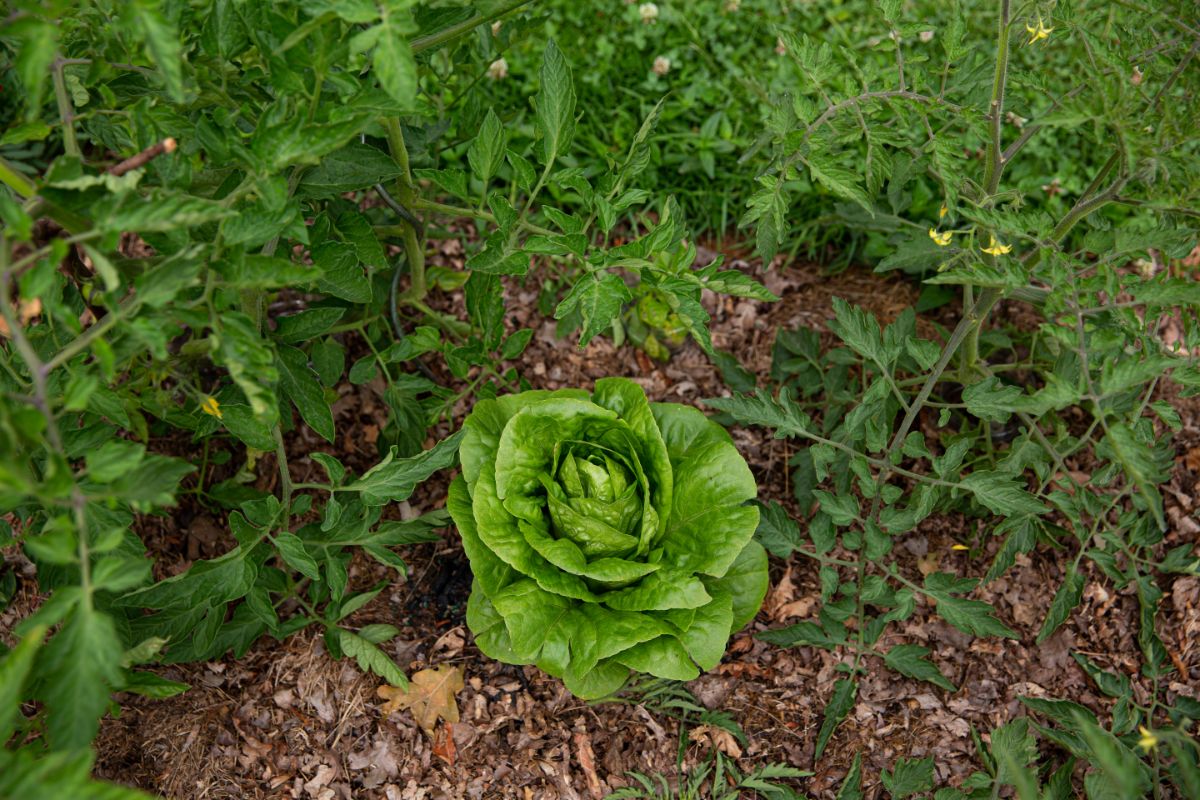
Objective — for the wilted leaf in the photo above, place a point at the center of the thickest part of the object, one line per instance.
(716, 738)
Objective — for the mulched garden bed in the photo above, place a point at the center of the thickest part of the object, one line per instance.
(288, 721)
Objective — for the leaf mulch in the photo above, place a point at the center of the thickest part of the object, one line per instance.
(288, 721)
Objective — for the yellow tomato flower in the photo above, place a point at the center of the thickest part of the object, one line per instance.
(211, 407)
(994, 248)
(943, 211)
(1148, 741)
(959, 547)
(940, 239)
(1038, 32)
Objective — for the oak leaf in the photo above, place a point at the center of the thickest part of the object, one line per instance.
(429, 696)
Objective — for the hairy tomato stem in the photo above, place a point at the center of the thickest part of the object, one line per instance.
(406, 194)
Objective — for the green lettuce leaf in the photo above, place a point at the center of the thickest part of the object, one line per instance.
(710, 524)
(746, 581)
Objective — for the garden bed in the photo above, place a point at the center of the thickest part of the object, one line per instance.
(358, 355)
(287, 720)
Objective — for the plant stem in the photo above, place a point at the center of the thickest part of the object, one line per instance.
(15, 180)
(970, 321)
(815, 556)
(993, 169)
(254, 301)
(84, 340)
(995, 157)
(1085, 207)
(455, 327)
(971, 356)
(323, 487)
(406, 194)
(456, 211)
(1029, 130)
(894, 94)
(1174, 76)
(65, 110)
(899, 60)
(41, 397)
(971, 350)
(1088, 202)
(285, 477)
(41, 392)
(875, 462)
(454, 31)
(1092, 198)
(28, 261)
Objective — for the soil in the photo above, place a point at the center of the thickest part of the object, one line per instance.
(286, 720)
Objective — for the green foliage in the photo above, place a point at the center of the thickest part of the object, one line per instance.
(716, 776)
(987, 423)
(266, 248)
(1117, 762)
(64, 773)
(1099, 762)
(200, 206)
(908, 777)
(254, 124)
(606, 535)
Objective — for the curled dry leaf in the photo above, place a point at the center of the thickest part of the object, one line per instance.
(451, 642)
(782, 604)
(930, 562)
(780, 594)
(716, 738)
(429, 696)
(1192, 459)
(587, 762)
(443, 744)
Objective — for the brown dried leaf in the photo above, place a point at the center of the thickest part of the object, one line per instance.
(30, 309)
(27, 311)
(717, 738)
(797, 608)
(741, 644)
(370, 433)
(430, 696)
(443, 744)
(587, 762)
(929, 563)
(742, 669)
(451, 643)
(780, 595)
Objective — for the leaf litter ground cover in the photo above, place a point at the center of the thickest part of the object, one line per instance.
(288, 719)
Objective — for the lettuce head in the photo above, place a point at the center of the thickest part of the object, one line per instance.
(606, 534)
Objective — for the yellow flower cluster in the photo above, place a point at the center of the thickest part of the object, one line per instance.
(1148, 740)
(211, 407)
(994, 248)
(940, 238)
(1038, 32)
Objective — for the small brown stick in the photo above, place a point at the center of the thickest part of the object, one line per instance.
(167, 145)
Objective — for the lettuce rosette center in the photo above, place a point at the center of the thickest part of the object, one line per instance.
(595, 502)
(606, 534)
